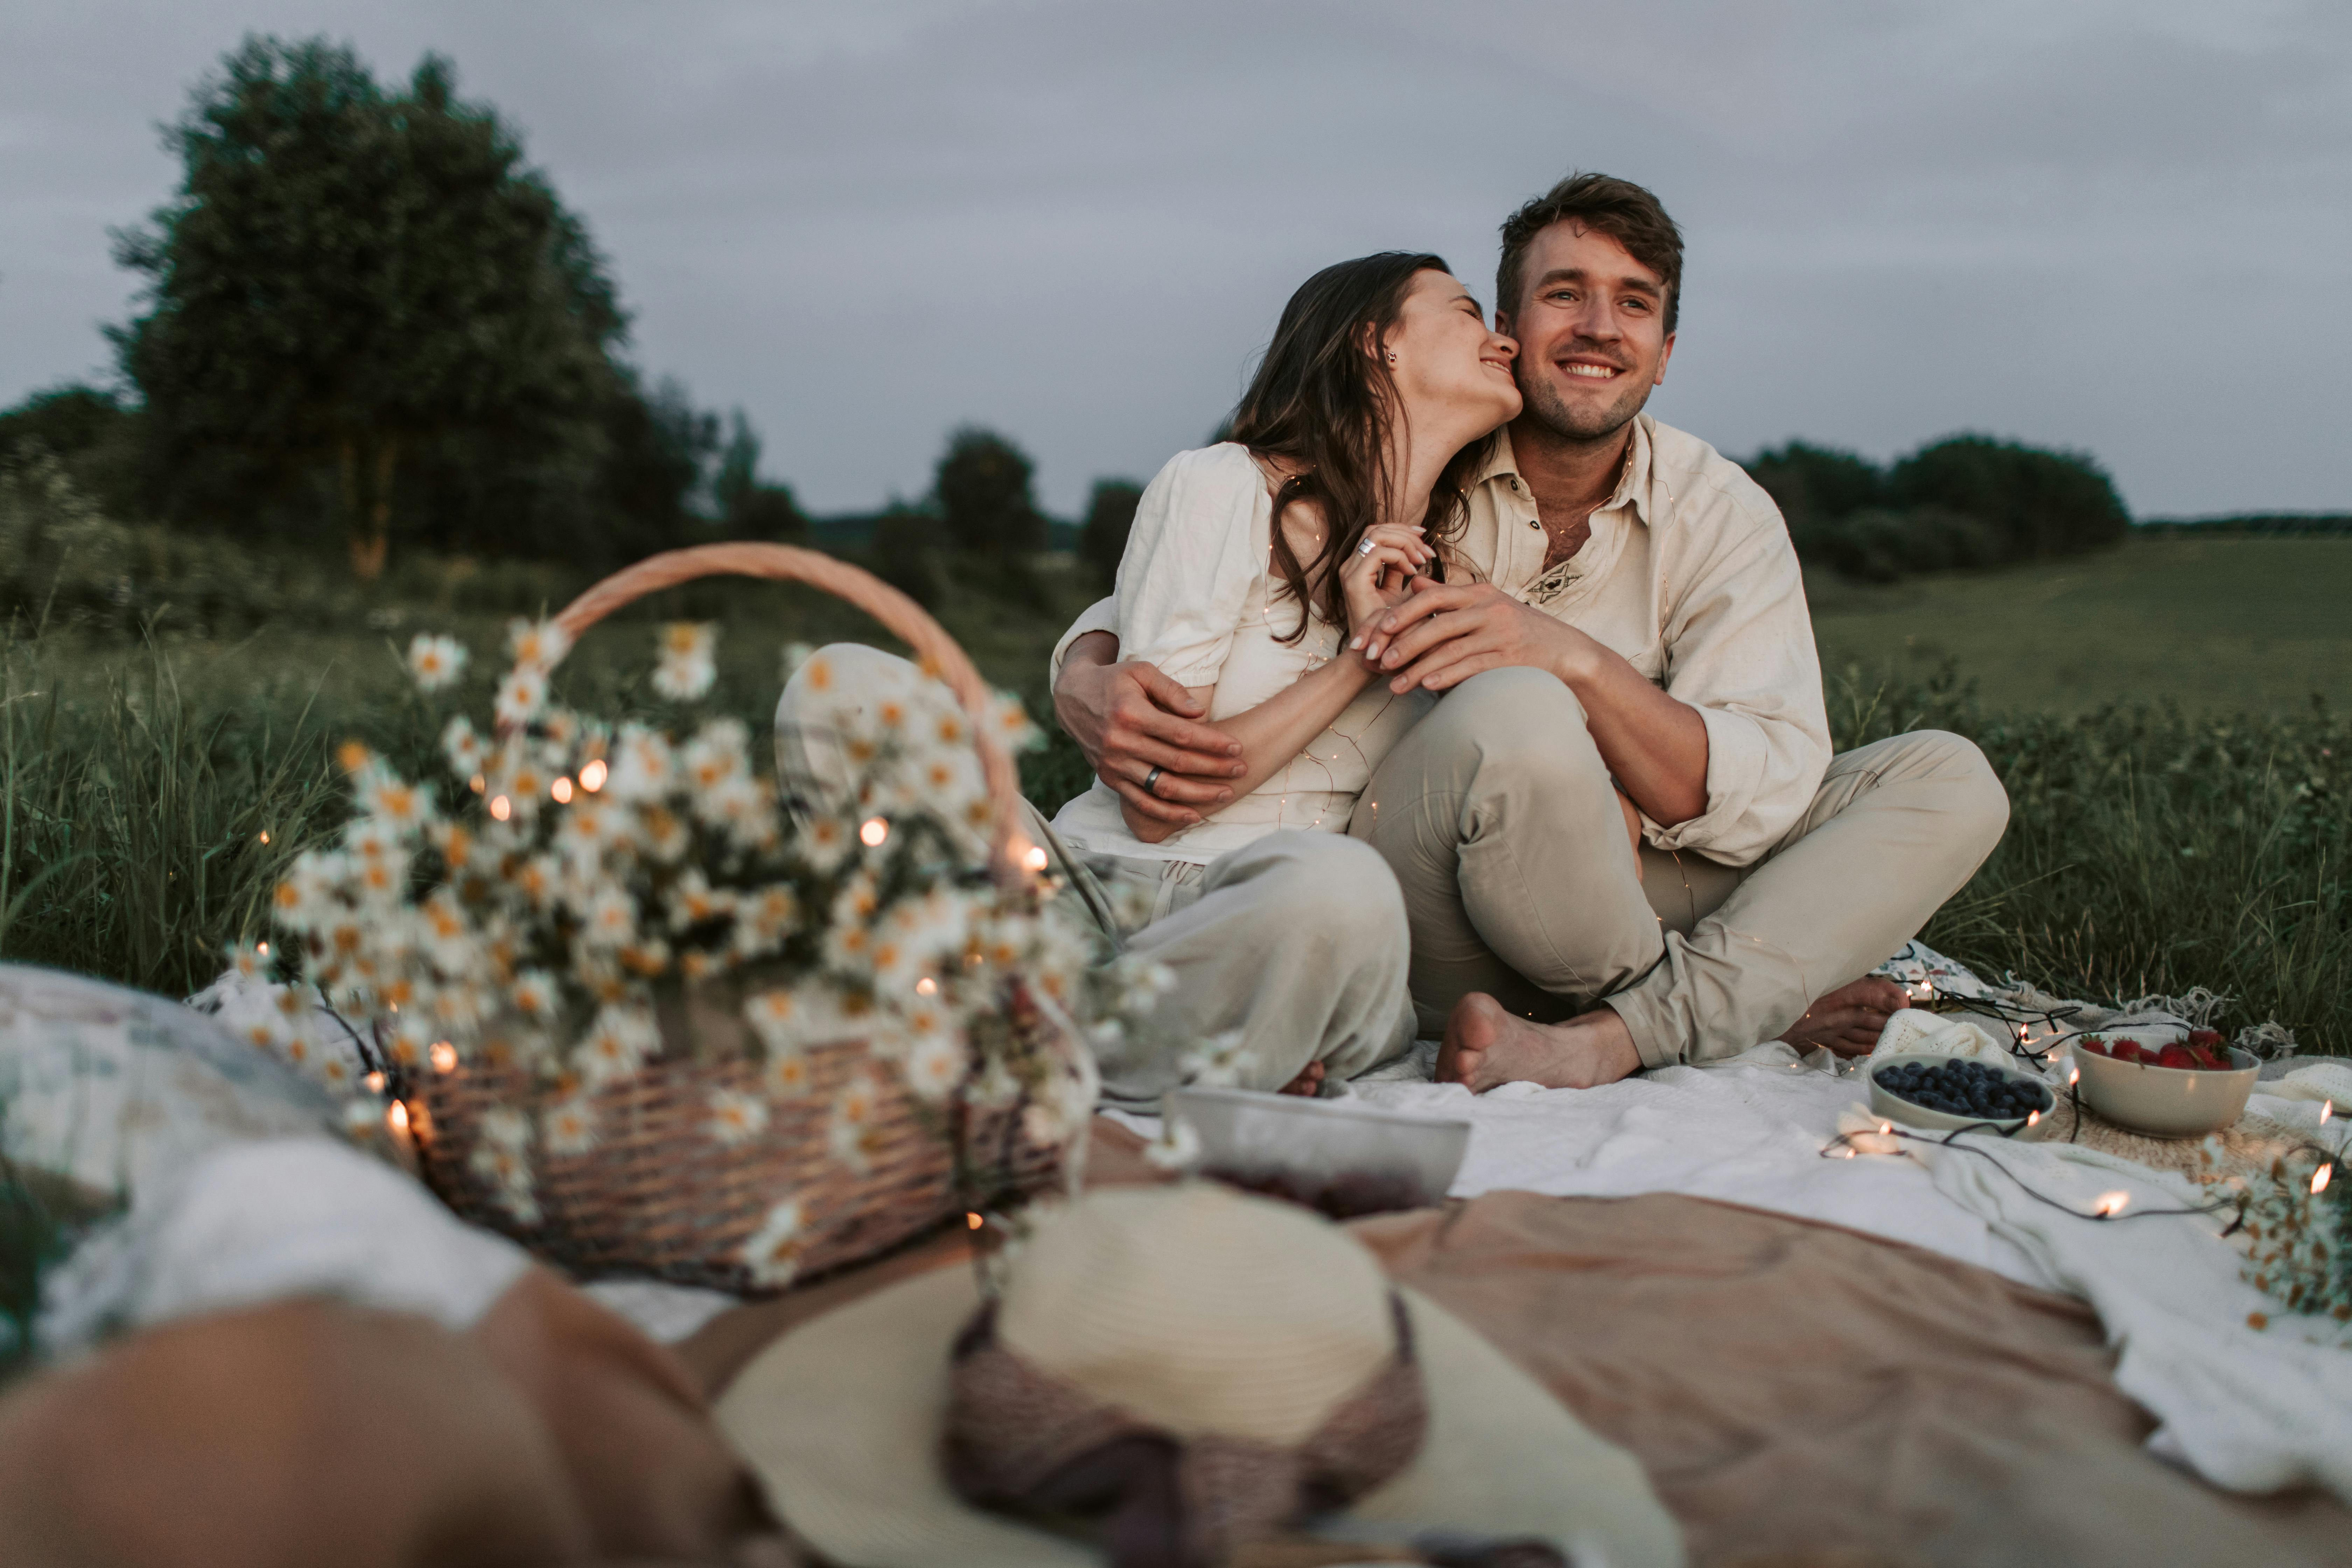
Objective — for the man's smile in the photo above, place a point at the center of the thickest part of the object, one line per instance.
(1590, 369)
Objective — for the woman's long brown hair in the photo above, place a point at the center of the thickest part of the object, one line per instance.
(1323, 399)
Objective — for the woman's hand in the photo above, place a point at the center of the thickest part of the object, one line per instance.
(1150, 829)
(1376, 574)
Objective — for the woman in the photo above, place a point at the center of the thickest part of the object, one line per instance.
(1250, 562)
(1283, 940)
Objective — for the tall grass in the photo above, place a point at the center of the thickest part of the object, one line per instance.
(2148, 850)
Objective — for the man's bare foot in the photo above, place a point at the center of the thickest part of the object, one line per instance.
(1849, 1019)
(1486, 1046)
(1308, 1083)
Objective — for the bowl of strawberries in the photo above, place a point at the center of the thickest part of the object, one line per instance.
(2167, 1082)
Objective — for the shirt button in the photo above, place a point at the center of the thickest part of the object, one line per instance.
(1535, 522)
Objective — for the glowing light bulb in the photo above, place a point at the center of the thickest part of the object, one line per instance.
(445, 1056)
(871, 832)
(2327, 1109)
(265, 836)
(927, 986)
(591, 775)
(1034, 859)
(395, 1118)
(263, 949)
(2073, 1077)
(971, 1221)
(2112, 1203)
(375, 1082)
(500, 807)
(2319, 1179)
(561, 789)
(475, 784)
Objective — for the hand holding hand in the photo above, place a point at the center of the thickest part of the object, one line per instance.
(1442, 635)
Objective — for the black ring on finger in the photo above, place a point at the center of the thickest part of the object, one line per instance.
(1149, 780)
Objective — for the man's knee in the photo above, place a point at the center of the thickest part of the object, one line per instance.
(1516, 720)
(1979, 803)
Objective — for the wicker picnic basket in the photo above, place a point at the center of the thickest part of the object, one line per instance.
(657, 1196)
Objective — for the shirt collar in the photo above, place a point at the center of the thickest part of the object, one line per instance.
(1632, 481)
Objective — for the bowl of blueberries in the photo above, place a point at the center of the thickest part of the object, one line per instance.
(1944, 1094)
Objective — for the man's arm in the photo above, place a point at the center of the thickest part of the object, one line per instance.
(1128, 718)
(1655, 745)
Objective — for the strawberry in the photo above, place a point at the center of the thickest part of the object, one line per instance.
(2125, 1051)
(2205, 1060)
(2210, 1038)
(2176, 1057)
(2095, 1046)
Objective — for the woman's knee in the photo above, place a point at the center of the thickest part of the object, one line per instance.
(1328, 889)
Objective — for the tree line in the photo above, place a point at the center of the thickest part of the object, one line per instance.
(362, 308)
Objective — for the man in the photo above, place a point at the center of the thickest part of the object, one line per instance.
(1635, 640)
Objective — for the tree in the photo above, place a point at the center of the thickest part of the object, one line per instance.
(2038, 503)
(1817, 484)
(749, 508)
(1110, 512)
(982, 488)
(348, 277)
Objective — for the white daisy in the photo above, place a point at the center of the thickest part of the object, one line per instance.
(774, 1251)
(569, 1126)
(736, 1116)
(435, 661)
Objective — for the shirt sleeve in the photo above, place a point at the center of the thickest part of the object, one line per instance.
(1740, 648)
(1102, 616)
(1189, 563)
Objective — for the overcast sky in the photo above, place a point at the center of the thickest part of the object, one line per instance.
(2122, 225)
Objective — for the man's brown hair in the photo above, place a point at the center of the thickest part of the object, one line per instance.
(1619, 209)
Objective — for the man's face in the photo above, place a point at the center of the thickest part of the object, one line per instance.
(1590, 323)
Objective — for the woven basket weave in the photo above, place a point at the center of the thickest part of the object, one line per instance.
(658, 1195)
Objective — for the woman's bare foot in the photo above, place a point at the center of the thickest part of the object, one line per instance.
(1308, 1083)
(1486, 1046)
(1849, 1019)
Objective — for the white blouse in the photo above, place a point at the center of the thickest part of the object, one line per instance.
(1199, 596)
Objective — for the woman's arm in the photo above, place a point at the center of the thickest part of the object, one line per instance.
(1278, 729)
(1273, 733)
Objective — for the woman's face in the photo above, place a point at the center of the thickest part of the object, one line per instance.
(1447, 361)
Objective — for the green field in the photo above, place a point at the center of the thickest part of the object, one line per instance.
(2180, 806)
(2214, 624)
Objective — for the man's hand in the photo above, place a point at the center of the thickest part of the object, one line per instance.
(1443, 635)
(1128, 718)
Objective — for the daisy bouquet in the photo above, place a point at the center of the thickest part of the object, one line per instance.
(857, 973)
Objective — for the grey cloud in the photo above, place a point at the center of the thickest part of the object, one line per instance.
(868, 222)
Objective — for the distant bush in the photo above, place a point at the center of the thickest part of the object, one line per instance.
(1968, 501)
(1111, 514)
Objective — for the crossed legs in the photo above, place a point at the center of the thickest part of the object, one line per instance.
(1548, 959)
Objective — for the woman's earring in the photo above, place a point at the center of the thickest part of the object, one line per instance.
(1393, 356)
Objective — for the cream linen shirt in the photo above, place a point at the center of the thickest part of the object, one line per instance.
(1198, 596)
(1689, 576)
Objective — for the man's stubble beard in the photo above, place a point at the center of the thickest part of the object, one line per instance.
(1541, 402)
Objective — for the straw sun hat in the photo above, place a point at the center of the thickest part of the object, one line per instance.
(1170, 1376)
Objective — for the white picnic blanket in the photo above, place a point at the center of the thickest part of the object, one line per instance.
(2250, 1410)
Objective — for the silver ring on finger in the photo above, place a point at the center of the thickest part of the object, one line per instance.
(1368, 546)
(1150, 782)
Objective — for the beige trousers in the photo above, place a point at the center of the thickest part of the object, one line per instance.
(1296, 941)
(1496, 814)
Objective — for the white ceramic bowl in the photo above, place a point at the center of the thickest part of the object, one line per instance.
(1885, 1103)
(2165, 1102)
(1253, 1136)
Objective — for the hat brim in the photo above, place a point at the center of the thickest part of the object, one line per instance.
(840, 1418)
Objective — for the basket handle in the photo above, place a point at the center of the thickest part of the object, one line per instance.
(935, 650)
